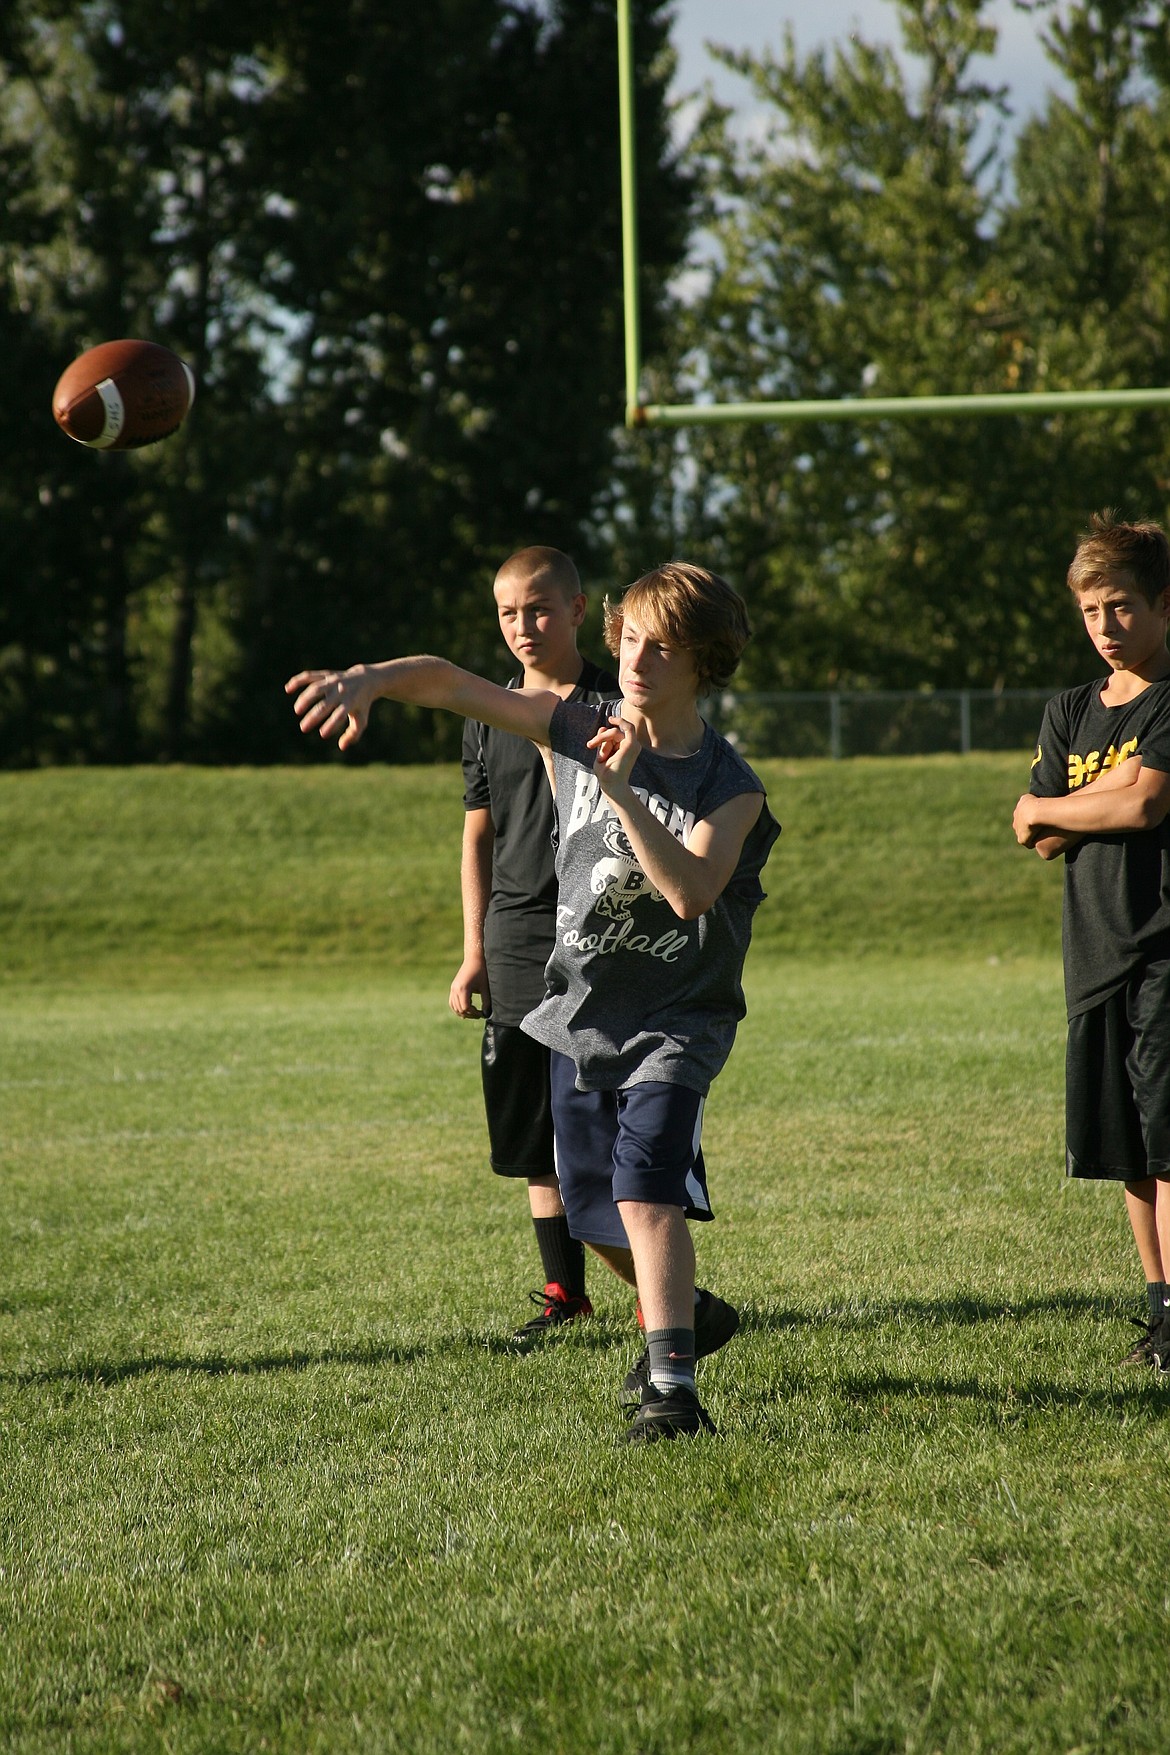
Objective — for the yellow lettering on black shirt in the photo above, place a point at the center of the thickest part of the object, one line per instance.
(1082, 770)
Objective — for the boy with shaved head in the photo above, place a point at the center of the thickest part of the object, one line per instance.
(509, 891)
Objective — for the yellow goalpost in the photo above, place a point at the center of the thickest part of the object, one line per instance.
(851, 408)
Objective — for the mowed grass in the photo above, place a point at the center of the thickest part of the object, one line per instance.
(270, 1475)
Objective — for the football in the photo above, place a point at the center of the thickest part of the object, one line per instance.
(122, 395)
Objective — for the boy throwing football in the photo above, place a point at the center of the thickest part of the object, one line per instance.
(663, 832)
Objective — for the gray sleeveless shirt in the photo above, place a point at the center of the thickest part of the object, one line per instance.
(634, 994)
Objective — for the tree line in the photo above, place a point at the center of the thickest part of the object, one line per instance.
(388, 242)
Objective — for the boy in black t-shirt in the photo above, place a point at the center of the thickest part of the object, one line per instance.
(509, 893)
(1099, 795)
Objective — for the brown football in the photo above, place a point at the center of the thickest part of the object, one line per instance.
(122, 395)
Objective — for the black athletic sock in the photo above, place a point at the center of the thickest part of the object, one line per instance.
(1156, 1293)
(562, 1257)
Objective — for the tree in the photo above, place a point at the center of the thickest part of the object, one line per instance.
(387, 239)
(130, 119)
(466, 339)
(864, 245)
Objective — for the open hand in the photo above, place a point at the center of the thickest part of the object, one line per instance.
(334, 703)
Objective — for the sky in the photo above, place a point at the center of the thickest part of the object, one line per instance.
(1019, 62)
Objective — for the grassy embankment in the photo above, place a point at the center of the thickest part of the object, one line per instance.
(270, 1477)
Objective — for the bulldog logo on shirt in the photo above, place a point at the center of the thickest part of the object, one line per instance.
(618, 882)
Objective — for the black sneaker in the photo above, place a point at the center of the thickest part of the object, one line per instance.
(676, 1414)
(1142, 1352)
(1160, 1347)
(715, 1323)
(556, 1308)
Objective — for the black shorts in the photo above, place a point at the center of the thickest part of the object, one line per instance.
(640, 1143)
(516, 949)
(1117, 1082)
(517, 1101)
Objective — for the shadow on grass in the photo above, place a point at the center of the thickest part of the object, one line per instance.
(210, 1365)
(372, 1355)
(1144, 1394)
(603, 1336)
(938, 1312)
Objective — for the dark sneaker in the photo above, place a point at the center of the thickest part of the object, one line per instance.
(1160, 1347)
(556, 1308)
(1142, 1352)
(678, 1414)
(715, 1323)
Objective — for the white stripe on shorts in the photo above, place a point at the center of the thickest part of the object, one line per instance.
(693, 1186)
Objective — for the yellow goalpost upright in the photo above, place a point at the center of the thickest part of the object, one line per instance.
(850, 408)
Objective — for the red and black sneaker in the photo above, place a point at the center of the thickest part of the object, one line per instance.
(556, 1308)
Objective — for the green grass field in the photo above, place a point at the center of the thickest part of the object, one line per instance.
(271, 1478)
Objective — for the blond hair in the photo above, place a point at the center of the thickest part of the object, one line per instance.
(1111, 547)
(690, 609)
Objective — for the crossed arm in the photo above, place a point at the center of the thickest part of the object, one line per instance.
(1125, 798)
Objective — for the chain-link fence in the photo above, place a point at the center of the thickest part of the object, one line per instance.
(878, 722)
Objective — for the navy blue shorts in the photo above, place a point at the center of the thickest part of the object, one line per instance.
(641, 1143)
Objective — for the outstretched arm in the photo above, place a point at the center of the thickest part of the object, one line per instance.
(692, 878)
(337, 703)
(1125, 798)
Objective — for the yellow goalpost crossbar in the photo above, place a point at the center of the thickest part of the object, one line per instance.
(852, 408)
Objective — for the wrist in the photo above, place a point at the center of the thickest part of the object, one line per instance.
(618, 791)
